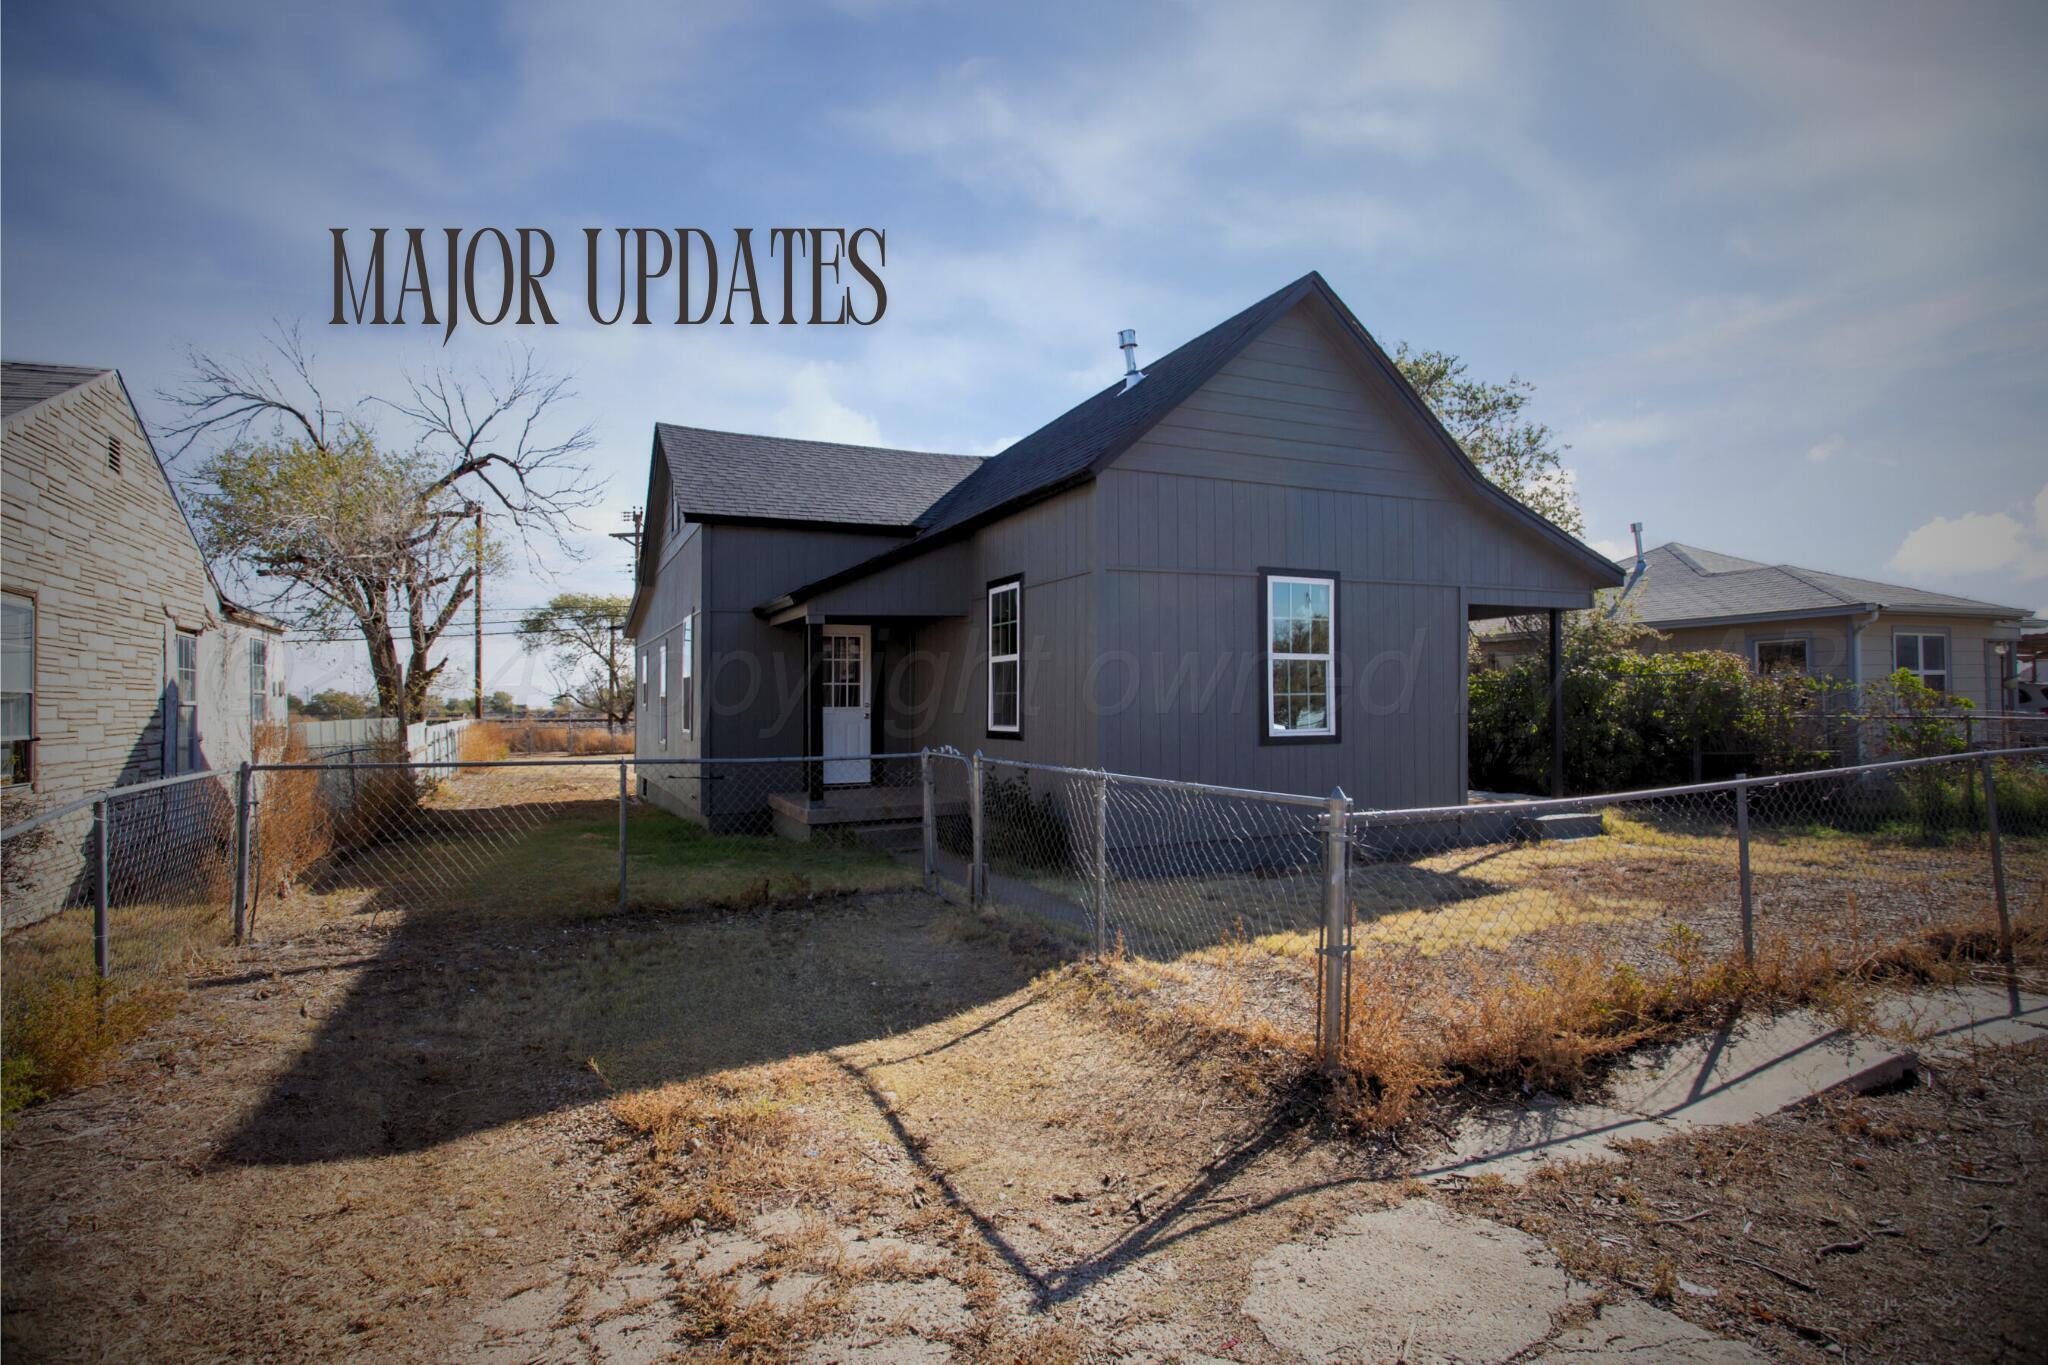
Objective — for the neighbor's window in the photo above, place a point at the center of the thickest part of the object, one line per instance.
(1781, 656)
(661, 688)
(185, 673)
(1301, 652)
(17, 687)
(1924, 655)
(689, 688)
(259, 678)
(1005, 666)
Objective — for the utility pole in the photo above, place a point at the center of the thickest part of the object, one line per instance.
(479, 611)
(631, 537)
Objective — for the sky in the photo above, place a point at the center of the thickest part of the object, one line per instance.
(1777, 272)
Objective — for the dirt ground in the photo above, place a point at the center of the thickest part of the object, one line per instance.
(879, 1126)
(1910, 1225)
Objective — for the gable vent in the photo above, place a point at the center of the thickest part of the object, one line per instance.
(114, 453)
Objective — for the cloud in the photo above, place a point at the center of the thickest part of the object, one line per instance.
(1620, 551)
(812, 412)
(1980, 542)
(1820, 452)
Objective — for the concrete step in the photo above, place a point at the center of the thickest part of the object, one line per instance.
(1563, 825)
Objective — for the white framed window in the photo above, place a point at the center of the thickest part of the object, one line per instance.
(1006, 657)
(17, 689)
(1301, 656)
(259, 679)
(185, 676)
(1924, 654)
(1780, 656)
(661, 688)
(689, 663)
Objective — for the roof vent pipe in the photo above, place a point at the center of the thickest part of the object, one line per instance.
(1128, 340)
(1641, 563)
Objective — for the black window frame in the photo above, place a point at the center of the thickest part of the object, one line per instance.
(988, 597)
(1265, 656)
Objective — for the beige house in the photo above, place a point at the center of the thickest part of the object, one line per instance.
(1820, 623)
(122, 661)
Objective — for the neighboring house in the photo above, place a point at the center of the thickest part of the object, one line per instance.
(1251, 563)
(122, 661)
(1823, 624)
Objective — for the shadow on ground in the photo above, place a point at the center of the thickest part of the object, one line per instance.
(471, 1015)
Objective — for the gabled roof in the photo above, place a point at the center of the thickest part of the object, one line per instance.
(25, 383)
(1683, 584)
(727, 474)
(1080, 442)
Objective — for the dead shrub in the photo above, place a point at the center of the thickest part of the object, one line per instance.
(496, 739)
(294, 823)
(62, 1026)
(486, 741)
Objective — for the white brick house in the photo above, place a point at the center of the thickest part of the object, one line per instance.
(122, 661)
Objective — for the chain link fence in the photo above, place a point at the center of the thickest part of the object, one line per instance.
(1335, 929)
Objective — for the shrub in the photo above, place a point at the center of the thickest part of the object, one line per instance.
(1640, 720)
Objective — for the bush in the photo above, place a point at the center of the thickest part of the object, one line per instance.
(1641, 720)
(495, 739)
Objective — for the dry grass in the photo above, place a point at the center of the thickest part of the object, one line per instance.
(489, 740)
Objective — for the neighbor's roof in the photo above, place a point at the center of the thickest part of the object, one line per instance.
(1081, 441)
(1681, 584)
(727, 474)
(25, 383)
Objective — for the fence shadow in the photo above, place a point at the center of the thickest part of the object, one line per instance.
(460, 1025)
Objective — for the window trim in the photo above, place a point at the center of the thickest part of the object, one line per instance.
(688, 671)
(1803, 639)
(1948, 654)
(1268, 576)
(661, 688)
(1012, 583)
(184, 758)
(259, 695)
(35, 680)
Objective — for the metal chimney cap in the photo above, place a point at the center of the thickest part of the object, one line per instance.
(1127, 337)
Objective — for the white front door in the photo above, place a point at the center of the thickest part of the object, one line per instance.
(848, 698)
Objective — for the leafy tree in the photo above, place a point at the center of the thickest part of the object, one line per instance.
(335, 704)
(376, 535)
(583, 637)
(1522, 457)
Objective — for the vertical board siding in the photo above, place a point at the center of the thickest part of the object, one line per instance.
(1295, 456)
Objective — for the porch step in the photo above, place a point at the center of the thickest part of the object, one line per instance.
(798, 817)
(1563, 825)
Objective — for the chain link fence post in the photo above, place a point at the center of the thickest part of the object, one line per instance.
(1102, 865)
(2005, 953)
(243, 803)
(1742, 860)
(931, 818)
(622, 834)
(1336, 907)
(102, 922)
(977, 871)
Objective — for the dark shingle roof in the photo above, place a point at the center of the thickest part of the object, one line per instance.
(25, 383)
(1685, 583)
(1079, 439)
(727, 474)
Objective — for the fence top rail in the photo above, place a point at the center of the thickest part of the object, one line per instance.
(108, 794)
(1414, 814)
(1173, 784)
(590, 761)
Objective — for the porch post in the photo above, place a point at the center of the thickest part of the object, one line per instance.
(1556, 702)
(814, 708)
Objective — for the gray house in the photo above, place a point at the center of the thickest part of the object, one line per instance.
(1783, 616)
(1252, 562)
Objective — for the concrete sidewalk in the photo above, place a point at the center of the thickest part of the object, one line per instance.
(1749, 1068)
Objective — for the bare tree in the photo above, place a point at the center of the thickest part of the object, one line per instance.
(356, 531)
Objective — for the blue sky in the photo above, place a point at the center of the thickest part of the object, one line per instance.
(1777, 272)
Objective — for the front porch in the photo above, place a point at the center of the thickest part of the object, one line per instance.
(801, 816)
